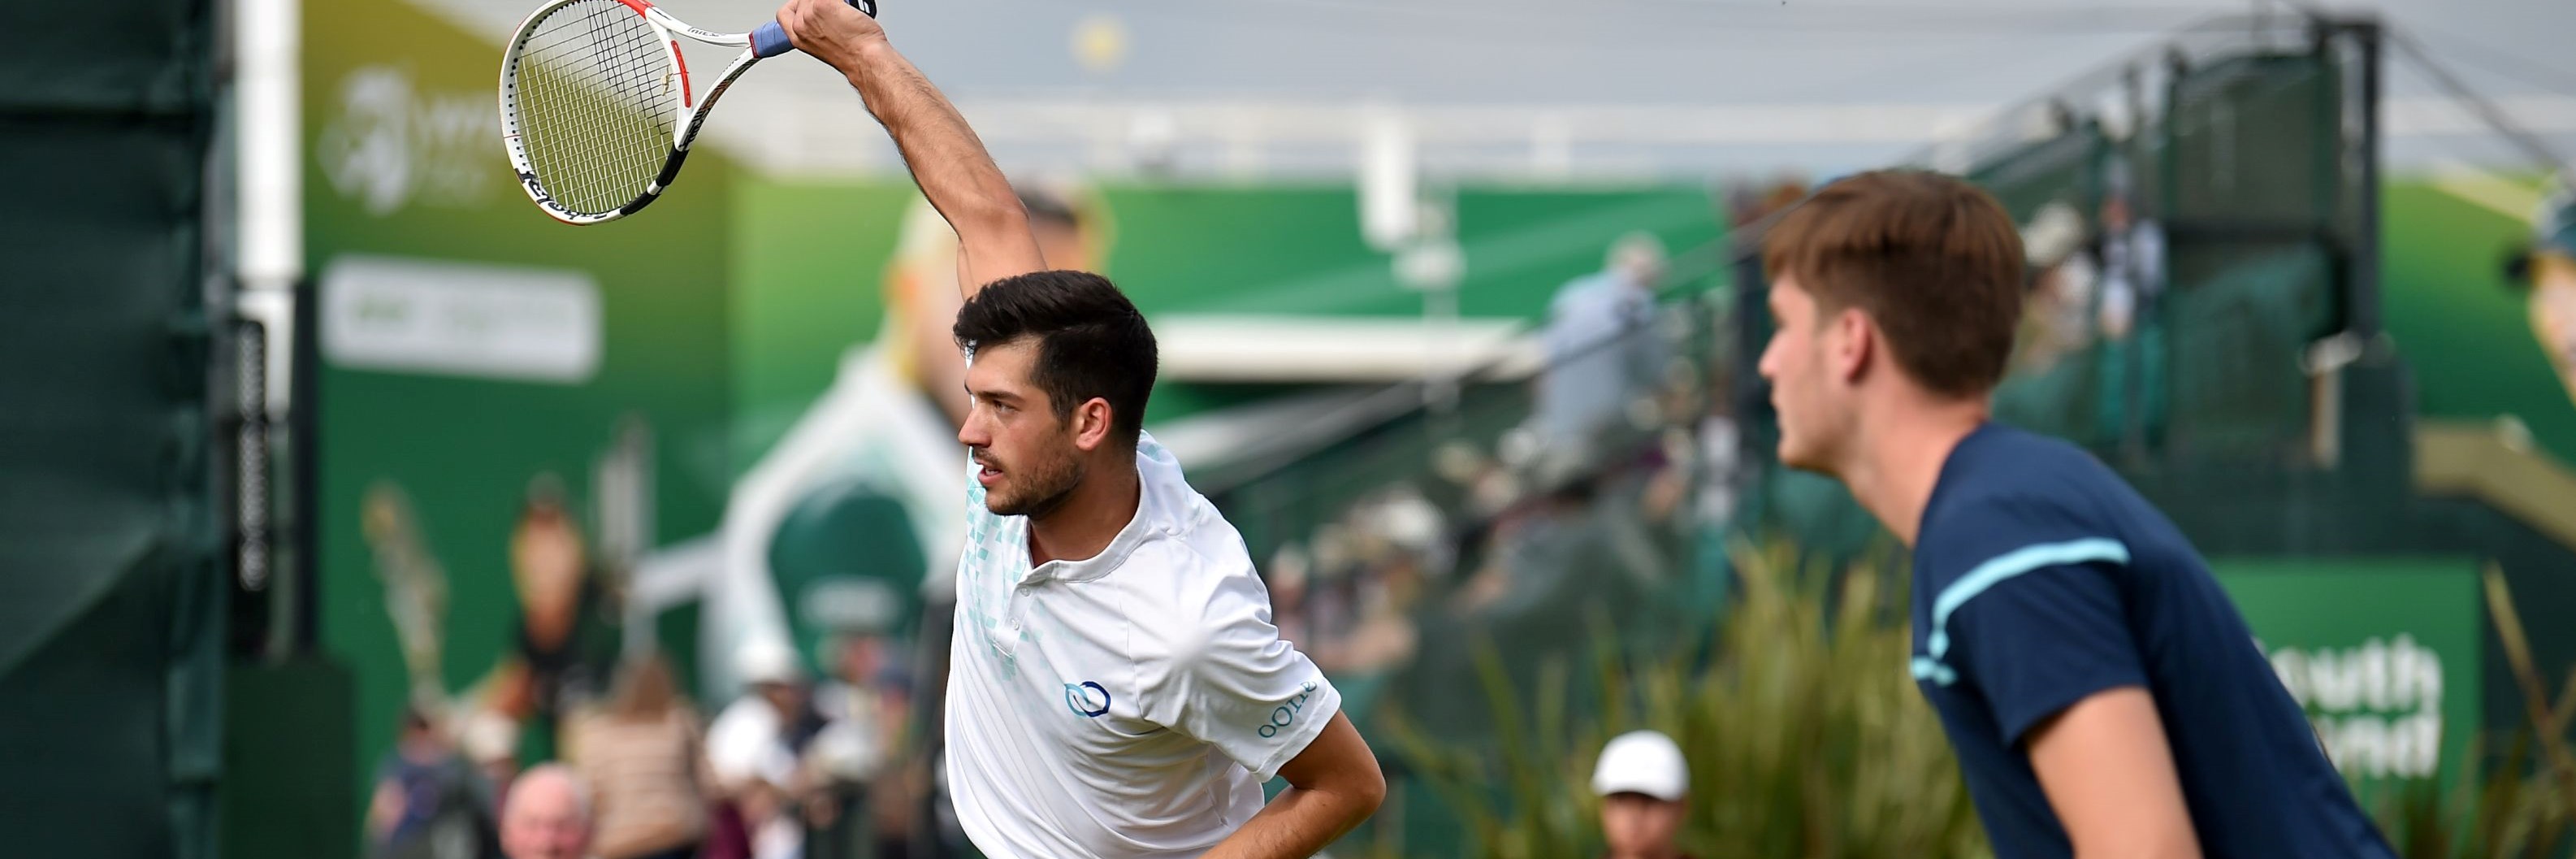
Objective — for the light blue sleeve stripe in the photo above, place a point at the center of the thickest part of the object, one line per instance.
(1994, 572)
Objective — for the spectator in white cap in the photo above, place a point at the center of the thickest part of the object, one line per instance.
(1644, 787)
(754, 746)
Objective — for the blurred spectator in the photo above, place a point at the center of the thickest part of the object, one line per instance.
(1644, 787)
(1601, 352)
(642, 751)
(548, 816)
(2133, 258)
(2553, 282)
(860, 803)
(566, 642)
(2057, 318)
(428, 801)
(1380, 561)
(491, 742)
(1749, 200)
(754, 748)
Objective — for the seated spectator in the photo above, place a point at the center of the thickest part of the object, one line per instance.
(427, 795)
(547, 815)
(756, 746)
(643, 753)
(1645, 790)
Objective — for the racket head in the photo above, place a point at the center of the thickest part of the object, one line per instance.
(592, 92)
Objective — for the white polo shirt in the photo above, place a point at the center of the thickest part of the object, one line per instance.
(1126, 706)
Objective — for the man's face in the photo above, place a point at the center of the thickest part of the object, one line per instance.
(1029, 459)
(544, 820)
(1807, 389)
(547, 559)
(1639, 825)
(786, 698)
(2553, 309)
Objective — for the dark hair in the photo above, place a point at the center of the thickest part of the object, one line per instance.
(1091, 340)
(1934, 261)
(1047, 208)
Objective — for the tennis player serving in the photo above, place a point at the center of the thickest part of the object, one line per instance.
(1116, 687)
(2103, 695)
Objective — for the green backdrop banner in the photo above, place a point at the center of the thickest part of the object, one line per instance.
(492, 383)
(2383, 652)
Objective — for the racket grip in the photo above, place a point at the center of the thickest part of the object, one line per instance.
(770, 40)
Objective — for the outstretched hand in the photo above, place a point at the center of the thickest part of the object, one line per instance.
(831, 30)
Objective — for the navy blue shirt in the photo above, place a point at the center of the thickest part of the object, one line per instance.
(2040, 578)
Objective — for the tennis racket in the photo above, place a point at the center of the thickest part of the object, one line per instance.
(597, 110)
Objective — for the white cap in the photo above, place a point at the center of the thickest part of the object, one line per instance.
(761, 660)
(488, 736)
(1642, 762)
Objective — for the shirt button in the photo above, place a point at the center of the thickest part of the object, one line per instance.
(1024, 590)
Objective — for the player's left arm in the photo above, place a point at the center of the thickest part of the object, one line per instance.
(1229, 680)
(2052, 652)
(1332, 786)
(2109, 774)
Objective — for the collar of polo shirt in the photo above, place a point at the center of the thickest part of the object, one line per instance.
(1154, 515)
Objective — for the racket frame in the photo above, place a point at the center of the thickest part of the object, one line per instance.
(684, 133)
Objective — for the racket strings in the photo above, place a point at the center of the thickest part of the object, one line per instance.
(594, 94)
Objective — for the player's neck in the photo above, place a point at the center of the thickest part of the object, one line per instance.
(1898, 458)
(1100, 507)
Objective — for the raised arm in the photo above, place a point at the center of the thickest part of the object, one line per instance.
(947, 160)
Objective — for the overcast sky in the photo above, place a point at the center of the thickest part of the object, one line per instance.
(1677, 54)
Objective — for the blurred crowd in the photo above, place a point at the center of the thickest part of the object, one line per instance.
(1601, 489)
(793, 767)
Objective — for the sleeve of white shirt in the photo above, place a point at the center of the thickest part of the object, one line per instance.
(735, 744)
(1230, 681)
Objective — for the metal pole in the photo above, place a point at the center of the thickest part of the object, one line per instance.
(2362, 301)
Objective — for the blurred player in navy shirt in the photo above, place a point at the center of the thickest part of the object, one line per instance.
(2103, 695)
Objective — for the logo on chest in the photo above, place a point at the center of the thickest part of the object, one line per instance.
(1086, 699)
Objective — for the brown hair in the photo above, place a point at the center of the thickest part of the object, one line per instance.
(1933, 260)
(644, 689)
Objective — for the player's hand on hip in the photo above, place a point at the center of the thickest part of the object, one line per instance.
(830, 30)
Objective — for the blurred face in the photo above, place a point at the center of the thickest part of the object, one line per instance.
(1806, 363)
(1640, 826)
(547, 557)
(1065, 246)
(1030, 459)
(861, 657)
(1646, 272)
(784, 697)
(2553, 308)
(927, 293)
(544, 820)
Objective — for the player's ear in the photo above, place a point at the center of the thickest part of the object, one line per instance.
(1853, 345)
(1091, 424)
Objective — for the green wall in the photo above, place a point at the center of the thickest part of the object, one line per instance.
(805, 283)
(404, 161)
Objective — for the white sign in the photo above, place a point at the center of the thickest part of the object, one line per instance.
(460, 319)
(2376, 707)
